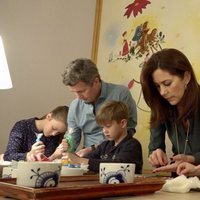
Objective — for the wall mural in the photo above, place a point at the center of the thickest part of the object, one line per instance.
(128, 32)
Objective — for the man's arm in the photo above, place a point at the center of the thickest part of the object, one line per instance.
(127, 98)
(73, 129)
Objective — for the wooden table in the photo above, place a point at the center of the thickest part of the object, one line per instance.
(81, 187)
(88, 187)
(159, 195)
(155, 196)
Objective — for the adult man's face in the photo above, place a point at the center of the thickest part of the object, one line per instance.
(88, 93)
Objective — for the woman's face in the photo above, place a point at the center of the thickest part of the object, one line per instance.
(170, 87)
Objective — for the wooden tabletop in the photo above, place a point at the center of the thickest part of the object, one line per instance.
(160, 195)
(88, 187)
(192, 195)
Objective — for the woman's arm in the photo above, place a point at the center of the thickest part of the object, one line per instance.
(157, 156)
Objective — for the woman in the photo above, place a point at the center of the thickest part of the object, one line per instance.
(188, 169)
(25, 142)
(172, 92)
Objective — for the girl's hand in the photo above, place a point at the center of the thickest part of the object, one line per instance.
(158, 158)
(38, 157)
(37, 148)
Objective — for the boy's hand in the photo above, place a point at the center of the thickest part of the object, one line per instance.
(84, 152)
(75, 159)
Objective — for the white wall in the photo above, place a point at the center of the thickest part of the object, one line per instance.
(40, 38)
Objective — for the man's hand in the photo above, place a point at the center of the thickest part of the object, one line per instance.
(60, 150)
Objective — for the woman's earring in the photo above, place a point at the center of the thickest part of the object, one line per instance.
(185, 86)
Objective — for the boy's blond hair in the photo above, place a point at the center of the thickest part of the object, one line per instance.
(112, 111)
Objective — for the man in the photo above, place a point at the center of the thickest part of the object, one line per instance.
(82, 78)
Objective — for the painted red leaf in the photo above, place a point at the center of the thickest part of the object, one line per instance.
(131, 83)
(136, 7)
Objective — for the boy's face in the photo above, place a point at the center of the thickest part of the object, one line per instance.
(114, 130)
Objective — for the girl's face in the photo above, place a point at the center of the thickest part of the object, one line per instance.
(53, 127)
(170, 87)
(115, 131)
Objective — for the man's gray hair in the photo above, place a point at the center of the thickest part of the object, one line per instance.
(80, 70)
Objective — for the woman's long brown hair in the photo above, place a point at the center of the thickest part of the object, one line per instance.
(176, 63)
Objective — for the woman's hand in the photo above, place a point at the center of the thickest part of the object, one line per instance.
(183, 158)
(168, 168)
(176, 161)
(158, 158)
(188, 169)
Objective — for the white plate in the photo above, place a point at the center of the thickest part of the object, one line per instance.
(4, 164)
(67, 171)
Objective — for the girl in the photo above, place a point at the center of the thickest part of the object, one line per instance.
(24, 142)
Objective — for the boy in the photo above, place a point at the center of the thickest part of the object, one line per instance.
(120, 147)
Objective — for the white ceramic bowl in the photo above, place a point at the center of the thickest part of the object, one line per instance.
(38, 174)
(114, 173)
(68, 171)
